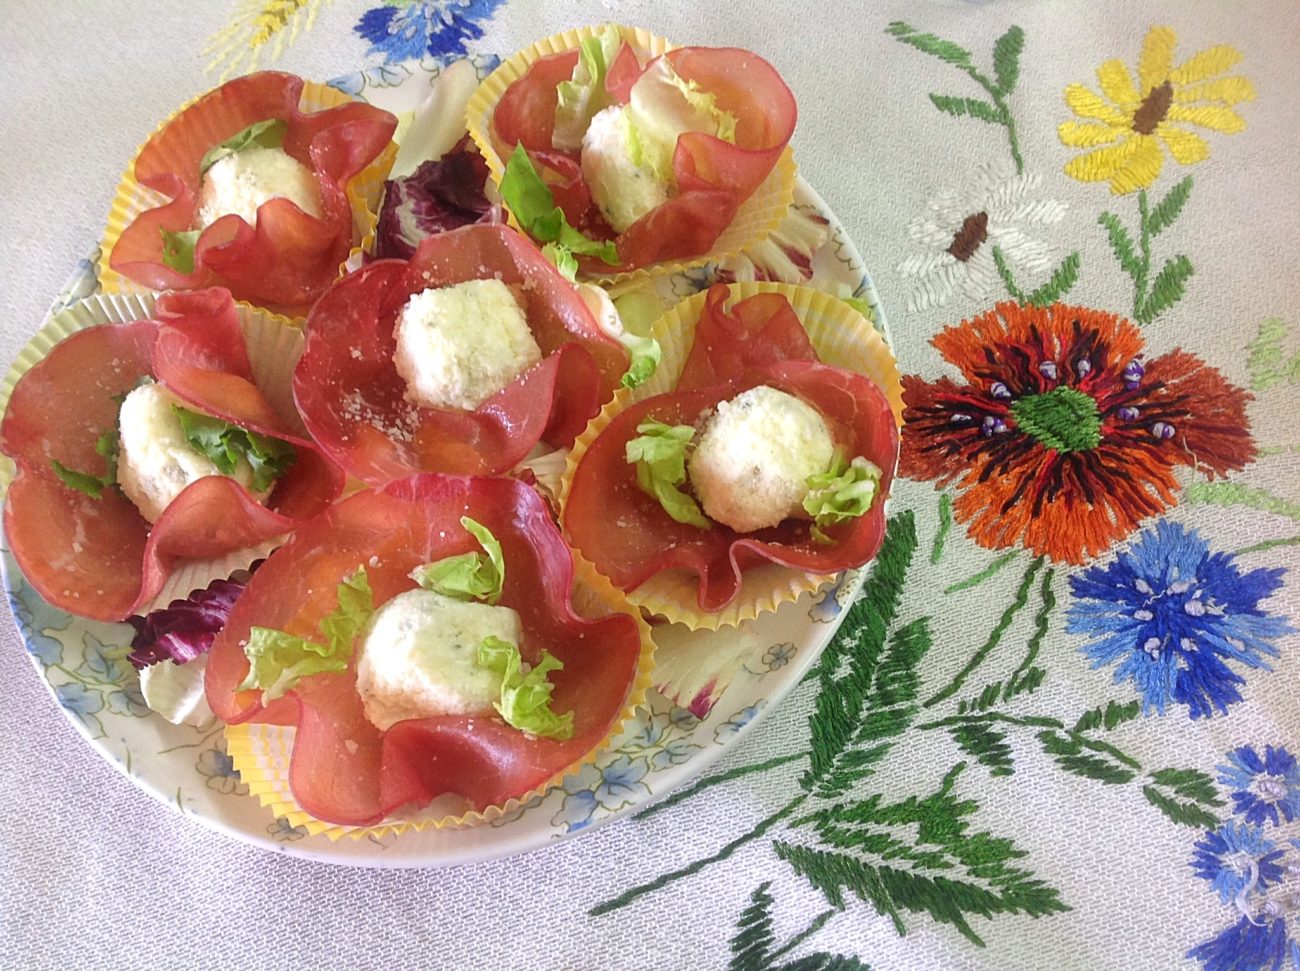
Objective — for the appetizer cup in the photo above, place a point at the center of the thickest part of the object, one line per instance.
(314, 754)
(716, 346)
(287, 257)
(730, 190)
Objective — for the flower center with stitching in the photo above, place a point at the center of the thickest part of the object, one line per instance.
(974, 230)
(1153, 109)
(1063, 419)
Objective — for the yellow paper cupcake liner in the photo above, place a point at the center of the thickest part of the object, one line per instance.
(365, 192)
(274, 346)
(758, 216)
(842, 337)
(261, 753)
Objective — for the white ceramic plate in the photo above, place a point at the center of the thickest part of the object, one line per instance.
(83, 663)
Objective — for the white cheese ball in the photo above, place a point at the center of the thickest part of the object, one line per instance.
(458, 346)
(239, 183)
(419, 658)
(156, 462)
(753, 458)
(624, 190)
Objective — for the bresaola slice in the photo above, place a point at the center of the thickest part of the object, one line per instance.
(713, 176)
(99, 558)
(628, 536)
(351, 396)
(343, 769)
(289, 257)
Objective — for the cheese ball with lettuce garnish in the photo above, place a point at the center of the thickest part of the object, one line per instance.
(156, 461)
(459, 345)
(754, 456)
(239, 183)
(419, 657)
(627, 151)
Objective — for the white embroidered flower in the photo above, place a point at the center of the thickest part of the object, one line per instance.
(962, 228)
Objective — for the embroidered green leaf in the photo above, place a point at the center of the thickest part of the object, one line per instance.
(1062, 279)
(1008, 279)
(1121, 243)
(1168, 208)
(982, 742)
(178, 249)
(1229, 494)
(1266, 361)
(225, 445)
(880, 852)
(1166, 290)
(525, 695)
(1183, 813)
(987, 573)
(1006, 58)
(108, 446)
(1190, 784)
(1113, 715)
(1029, 676)
(945, 50)
(1068, 751)
(278, 660)
(968, 107)
(265, 134)
(467, 576)
(659, 454)
(945, 527)
(534, 206)
(847, 668)
(753, 946)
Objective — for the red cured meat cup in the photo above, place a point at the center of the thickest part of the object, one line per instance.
(99, 558)
(351, 396)
(714, 177)
(289, 257)
(345, 770)
(626, 534)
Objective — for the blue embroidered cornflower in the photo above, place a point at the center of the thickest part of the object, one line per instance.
(1236, 858)
(1263, 786)
(1171, 616)
(1246, 944)
(406, 30)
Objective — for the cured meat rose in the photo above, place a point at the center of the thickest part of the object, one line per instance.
(100, 558)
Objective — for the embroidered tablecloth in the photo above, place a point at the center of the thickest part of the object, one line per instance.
(1059, 728)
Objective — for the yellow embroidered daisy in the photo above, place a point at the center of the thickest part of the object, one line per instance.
(1127, 124)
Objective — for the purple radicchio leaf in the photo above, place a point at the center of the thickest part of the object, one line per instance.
(440, 195)
(185, 629)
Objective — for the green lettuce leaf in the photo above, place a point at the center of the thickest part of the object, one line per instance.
(663, 105)
(468, 576)
(562, 258)
(178, 249)
(109, 446)
(659, 454)
(525, 698)
(646, 355)
(534, 206)
(278, 660)
(265, 134)
(843, 492)
(225, 444)
(578, 99)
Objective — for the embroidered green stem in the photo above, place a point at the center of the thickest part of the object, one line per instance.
(1023, 721)
(1268, 544)
(1273, 451)
(818, 923)
(985, 574)
(1023, 678)
(658, 883)
(978, 658)
(1008, 280)
(1228, 494)
(945, 527)
(1151, 297)
(718, 778)
(1006, 70)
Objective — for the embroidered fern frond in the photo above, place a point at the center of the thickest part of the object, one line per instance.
(1182, 813)
(1168, 208)
(1266, 362)
(1059, 284)
(986, 745)
(918, 856)
(1189, 783)
(1113, 715)
(752, 947)
(240, 45)
(1068, 752)
(1167, 289)
(847, 667)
